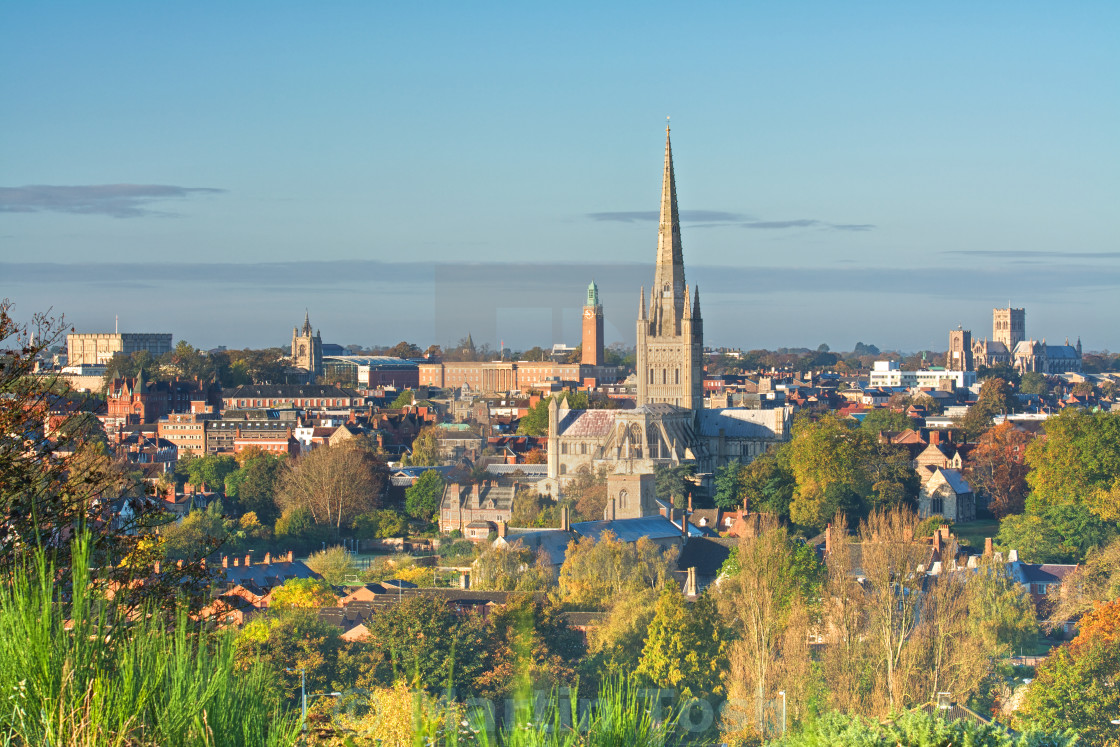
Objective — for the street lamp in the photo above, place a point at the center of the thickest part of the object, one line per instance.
(303, 695)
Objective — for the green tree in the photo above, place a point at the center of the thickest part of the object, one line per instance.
(1075, 687)
(596, 572)
(200, 532)
(996, 396)
(1062, 533)
(425, 447)
(253, 487)
(768, 485)
(885, 419)
(404, 399)
(335, 564)
(1001, 614)
(1078, 462)
(422, 498)
(288, 641)
(684, 647)
(535, 421)
(303, 593)
(673, 483)
(380, 524)
(728, 484)
(616, 643)
(511, 567)
(529, 646)
(1033, 382)
(422, 641)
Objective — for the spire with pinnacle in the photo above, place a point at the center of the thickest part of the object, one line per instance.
(667, 294)
(642, 305)
(306, 323)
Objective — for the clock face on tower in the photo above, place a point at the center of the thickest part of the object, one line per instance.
(589, 313)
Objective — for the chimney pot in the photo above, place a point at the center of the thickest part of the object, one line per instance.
(246, 560)
(155, 567)
(987, 547)
(236, 562)
(225, 561)
(179, 564)
(267, 558)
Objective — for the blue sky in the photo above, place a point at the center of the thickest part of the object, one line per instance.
(872, 171)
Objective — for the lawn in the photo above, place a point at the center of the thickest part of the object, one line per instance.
(973, 533)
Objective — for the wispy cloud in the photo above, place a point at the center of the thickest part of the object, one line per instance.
(116, 200)
(719, 218)
(1028, 254)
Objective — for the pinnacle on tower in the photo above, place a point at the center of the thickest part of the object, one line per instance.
(306, 323)
(642, 305)
(696, 304)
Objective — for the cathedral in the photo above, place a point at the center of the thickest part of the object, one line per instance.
(670, 424)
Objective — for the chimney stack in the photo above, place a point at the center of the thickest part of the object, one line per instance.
(690, 582)
(179, 564)
(155, 568)
(267, 558)
(1012, 556)
(246, 560)
(565, 520)
(225, 561)
(987, 547)
(236, 562)
(291, 556)
(502, 530)
(937, 543)
(828, 540)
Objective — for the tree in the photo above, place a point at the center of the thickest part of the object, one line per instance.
(673, 483)
(511, 567)
(728, 484)
(404, 399)
(422, 498)
(422, 641)
(291, 640)
(405, 350)
(885, 419)
(531, 509)
(1001, 615)
(380, 524)
(1035, 383)
(997, 469)
(1054, 534)
(1095, 580)
(535, 421)
(1078, 461)
(616, 643)
(840, 467)
(890, 554)
(199, 533)
(334, 564)
(1075, 687)
(684, 648)
(768, 485)
(425, 447)
(588, 492)
(334, 483)
(253, 487)
(766, 601)
(996, 396)
(596, 572)
(529, 647)
(303, 593)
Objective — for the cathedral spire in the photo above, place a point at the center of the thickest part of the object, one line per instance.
(696, 304)
(306, 323)
(668, 291)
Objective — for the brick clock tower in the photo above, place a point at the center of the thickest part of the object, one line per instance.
(592, 344)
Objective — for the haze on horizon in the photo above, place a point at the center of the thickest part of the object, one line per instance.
(879, 172)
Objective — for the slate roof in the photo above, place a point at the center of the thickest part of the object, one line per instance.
(631, 530)
(1046, 573)
(587, 423)
(706, 554)
(267, 575)
(956, 481)
(736, 422)
(553, 541)
(530, 470)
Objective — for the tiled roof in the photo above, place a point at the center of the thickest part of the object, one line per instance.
(587, 423)
(553, 541)
(631, 530)
(1046, 573)
(956, 481)
(706, 554)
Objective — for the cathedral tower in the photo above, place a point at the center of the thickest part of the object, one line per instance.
(307, 348)
(1009, 326)
(592, 345)
(671, 332)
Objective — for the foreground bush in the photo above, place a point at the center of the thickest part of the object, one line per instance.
(916, 729)
(72, 674)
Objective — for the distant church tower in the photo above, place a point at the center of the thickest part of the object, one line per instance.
(307, 348)
(960, 350)
(592, 345)
(670, 331)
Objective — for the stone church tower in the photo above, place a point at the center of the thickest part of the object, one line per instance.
(592, 344)
(307, 348)
(670, 331)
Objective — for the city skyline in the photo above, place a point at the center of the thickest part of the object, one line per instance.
(877, 174)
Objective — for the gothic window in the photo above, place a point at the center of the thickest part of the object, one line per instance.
(635, 437)
(302, 349)
(651, 376)
(664, 376)
(583, 448)
(678, 376)
(622, 496)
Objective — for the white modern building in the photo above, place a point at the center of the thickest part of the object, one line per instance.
(888, 374)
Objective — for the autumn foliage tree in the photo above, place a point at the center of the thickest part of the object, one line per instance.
(997, 467)
(334, 484)
(597, 572)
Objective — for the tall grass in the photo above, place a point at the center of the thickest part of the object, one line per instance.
(71, 675)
